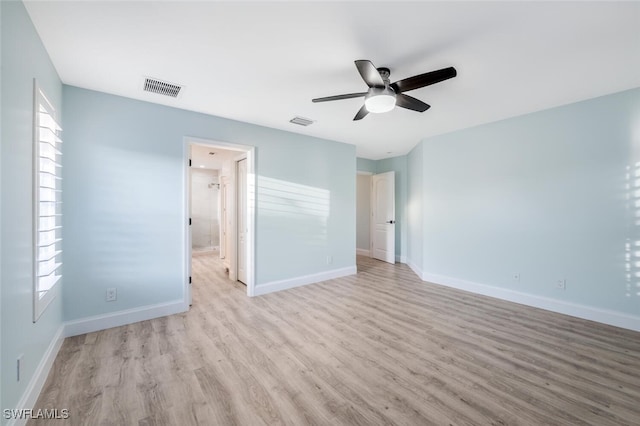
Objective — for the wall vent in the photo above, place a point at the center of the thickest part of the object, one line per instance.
(301, 121)
(160, 87)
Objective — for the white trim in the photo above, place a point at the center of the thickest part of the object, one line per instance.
(363, 252)
(604, 316)
(32, 392)
(252, 185)
(364, 173)
(416, 270)
(303, 280)
(233, 208)
(128, 316)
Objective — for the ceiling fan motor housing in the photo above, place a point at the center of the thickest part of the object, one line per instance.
(385, 73)
(380, 99)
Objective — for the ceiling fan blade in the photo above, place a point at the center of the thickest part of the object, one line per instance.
(361, 114)
(339, 97)
(422, 80)
(409, 102)
(369, 73)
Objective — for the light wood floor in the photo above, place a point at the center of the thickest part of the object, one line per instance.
(381, 347)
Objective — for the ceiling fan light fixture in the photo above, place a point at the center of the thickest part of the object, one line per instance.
(380, 100)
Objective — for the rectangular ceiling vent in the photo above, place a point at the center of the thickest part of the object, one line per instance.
(160, 87)
(301, 121)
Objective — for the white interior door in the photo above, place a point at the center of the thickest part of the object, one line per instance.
(241, 211)
(383, 217)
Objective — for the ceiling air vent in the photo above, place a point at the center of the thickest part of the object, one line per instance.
(301, 121)
(160, 87)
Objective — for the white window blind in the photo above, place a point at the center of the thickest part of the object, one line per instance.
(47, 199)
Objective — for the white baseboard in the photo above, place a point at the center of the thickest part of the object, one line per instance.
(363, 252)
(129, 316)
(580, 311)
(303, 280)
(416, 270)
(32, 392)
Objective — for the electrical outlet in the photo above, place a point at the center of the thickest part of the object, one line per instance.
(19, 367)
(329, 260)
(561, 284)
(112, 294)
(516, 277)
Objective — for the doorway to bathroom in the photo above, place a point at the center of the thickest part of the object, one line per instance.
(220, 211)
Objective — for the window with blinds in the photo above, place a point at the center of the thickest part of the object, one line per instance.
(47, 209)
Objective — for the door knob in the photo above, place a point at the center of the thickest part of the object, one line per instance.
(391, 221)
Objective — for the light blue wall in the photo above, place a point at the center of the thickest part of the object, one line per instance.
(123, 211)
(550, 195)
(414, 207)
(23, 58)
(399, 166)
(363, 211)
(365, 165)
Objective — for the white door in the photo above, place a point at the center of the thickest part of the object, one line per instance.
(383, 217)
(241, 211)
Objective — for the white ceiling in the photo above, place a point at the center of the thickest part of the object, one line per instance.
(201, 157)
(263, 62)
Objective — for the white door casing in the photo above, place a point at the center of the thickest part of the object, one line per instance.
(188, 296)
(383, 227)
(241, 211)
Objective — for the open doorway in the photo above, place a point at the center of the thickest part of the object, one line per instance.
(220, 214)
(375, 215)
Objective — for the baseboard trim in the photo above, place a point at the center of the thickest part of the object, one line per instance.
(363, 252)
(572, 309)
(32, 392)
(129, 316)
(303, 280)
(416, 270)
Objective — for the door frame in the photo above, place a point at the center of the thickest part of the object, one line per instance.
(235, 244)
(249, 151)
(372, 224)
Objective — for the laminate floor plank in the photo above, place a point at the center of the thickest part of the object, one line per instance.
(377, 348)
(405, 399)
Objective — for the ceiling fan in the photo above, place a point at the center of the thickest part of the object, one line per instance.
(383, 96)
